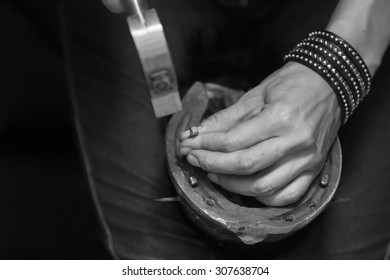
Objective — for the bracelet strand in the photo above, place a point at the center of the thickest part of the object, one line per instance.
(339, 64)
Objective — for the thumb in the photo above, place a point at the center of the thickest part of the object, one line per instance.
(114, 6)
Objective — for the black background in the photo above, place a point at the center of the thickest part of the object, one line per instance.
(45, 208)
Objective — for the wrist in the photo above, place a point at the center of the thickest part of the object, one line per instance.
(321, 90)
(362, 43)
(339, 64)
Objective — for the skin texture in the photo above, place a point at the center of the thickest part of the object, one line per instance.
(273, 142)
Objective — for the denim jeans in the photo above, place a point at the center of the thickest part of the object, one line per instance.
(123, 143)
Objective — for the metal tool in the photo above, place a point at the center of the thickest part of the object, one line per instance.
(149, 38)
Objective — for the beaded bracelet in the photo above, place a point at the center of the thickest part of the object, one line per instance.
(346, 63)
(339, 64)
(349, 51)
(343, 64)
(338, 79)
(331, 61)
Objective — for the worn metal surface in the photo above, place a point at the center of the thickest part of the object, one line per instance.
(228, 216)
(149, 38)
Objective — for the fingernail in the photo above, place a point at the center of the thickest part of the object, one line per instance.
(184, 135)
(193, 160)
(213, 178)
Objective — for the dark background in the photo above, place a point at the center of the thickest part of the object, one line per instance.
(45, 208)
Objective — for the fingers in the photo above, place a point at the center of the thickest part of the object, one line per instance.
(266, 182)
(291, 193)
(192, 132)
(244, 135)
(243, 162)
(279, 196)
(248, 106)
(114, 6)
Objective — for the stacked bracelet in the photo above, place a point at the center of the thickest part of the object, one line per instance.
(339, 64)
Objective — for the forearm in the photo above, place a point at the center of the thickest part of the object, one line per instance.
(365, 24)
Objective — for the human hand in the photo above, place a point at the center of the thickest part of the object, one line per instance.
(274, 141)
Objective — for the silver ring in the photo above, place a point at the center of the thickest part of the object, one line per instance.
(193, 131)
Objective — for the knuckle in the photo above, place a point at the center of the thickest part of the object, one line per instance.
(207, 163)
(246, 164)
(228, 143)
(308, 139)
(217, 117)
(251, 113)
(277, 152)
(262, 190)
(250, 100)
(284, 114)
(317, 159)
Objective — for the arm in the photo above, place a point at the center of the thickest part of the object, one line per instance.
(365, 24)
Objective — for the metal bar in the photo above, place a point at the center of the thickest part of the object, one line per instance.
(156, 61)
(136, 7)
